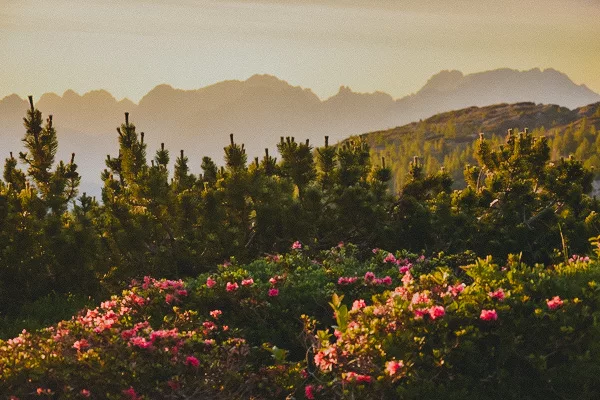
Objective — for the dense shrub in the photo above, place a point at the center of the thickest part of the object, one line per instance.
(332, 326)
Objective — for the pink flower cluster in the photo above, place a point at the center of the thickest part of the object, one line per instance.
(497, 294)
(575, 258)
(175, 288)
(247, 282)
(81, 344)
(358, 304)
(343, 280)
(455, 290)
(434, 312)
(353, 377)
(404, 265)
(392, 367)
(554, 303)
(192, 361)
(327, 358)
(100, 320)
(131, 394)
(371, 279)
(488, 315)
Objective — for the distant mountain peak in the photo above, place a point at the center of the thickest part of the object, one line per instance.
(99, 95)
(12, 99)
(443, 81)
(70, 94)
(266, 80)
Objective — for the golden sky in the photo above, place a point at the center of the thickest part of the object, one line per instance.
(130, 46)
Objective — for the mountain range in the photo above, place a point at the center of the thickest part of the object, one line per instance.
(262, 108)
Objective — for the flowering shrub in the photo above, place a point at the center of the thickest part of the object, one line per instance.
(327, 327)
(501, 334)
(135, 346)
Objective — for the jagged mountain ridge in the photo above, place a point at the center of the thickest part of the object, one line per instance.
(262, 108)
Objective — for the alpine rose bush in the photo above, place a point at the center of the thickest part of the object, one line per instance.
(135, 345)
(310, 325)
(436, 331)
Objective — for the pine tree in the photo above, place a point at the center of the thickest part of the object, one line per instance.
(297, 162)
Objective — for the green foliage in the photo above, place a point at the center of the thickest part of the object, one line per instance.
(45, 249)
(331, 327)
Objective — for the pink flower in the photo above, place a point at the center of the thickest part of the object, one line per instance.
(209, 325)
(369, 276)
(192, 361)
(456, 289)
(131, 393)
(392, 367)
(498, 294)
(210, 282)
(85, 393)
(273, 281)
(375, 250)
(182, 292)
(140, 342)
(216, 313)
(407, 279)
(231, 287)
(387, 280)
(169, 298)
(420, 298)
(437, 312)
(488, 315)
(273, 292)
(308, 391)
(358, 304)
(389, 258)
(163, 334)
(325, 359)
(404, 269)
(248, 282)
(81, 344)
(297, 245)
(555, 303)
(354, 377)
(147, 281)
(343, 280)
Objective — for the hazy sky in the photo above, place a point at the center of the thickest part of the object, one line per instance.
(129, 46)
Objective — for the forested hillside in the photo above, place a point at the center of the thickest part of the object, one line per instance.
(449, 139)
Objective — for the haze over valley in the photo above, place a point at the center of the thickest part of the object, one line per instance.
(261, 109)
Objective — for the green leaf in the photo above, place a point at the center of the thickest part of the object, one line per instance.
(341, 318)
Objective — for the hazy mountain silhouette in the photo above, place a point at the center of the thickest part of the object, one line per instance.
(263, 108)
